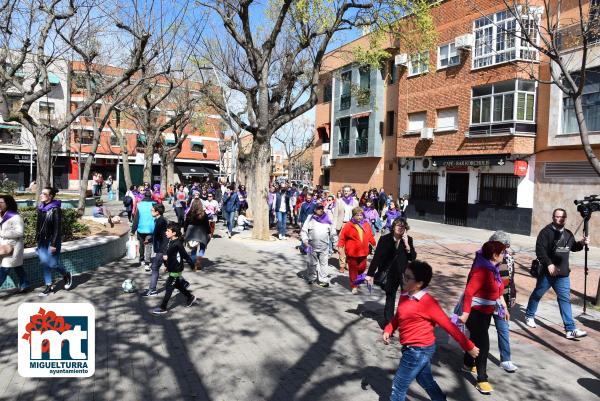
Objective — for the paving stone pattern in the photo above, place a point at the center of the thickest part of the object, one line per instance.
(259, 332)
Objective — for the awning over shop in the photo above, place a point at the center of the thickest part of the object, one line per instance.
(169, 141)
(361, 115)
(189, 170)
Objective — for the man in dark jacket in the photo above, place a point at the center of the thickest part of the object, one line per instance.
(49, 239)
(281, 207)
(231, 203)
(393, 253)
(552, 248)
(159, 242)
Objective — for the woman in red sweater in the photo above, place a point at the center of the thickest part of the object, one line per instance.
(416, 317)
(483, 295)
(354, 239)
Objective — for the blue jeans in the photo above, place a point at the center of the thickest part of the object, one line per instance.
(229, 217)
(503, 338)
(562, 287)
(415, 363)
(199, 250)
(23, 282)
(49, 262)
(281, 222)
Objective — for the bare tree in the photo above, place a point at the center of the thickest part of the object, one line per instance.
(274, 66)
(563, 33)
(36, 38)
(296, 138)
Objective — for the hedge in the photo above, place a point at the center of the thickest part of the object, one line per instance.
(71, 227)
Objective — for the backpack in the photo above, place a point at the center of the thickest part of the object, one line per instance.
(127, 201)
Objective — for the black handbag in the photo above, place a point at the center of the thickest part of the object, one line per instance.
(537, 268)
(381, 278)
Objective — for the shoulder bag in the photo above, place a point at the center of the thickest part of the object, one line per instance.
(537, 268)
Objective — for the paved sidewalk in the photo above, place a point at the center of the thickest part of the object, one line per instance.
(261, 333)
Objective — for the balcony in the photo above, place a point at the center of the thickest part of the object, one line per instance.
(344, 146)
(362, 146)
(501, 129)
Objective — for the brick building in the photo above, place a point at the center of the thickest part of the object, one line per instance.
(453, 128)
(200, 154)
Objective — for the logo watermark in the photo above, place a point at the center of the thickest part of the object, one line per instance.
(56, 340)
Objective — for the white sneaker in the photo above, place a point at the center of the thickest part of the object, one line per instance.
(577, 333)
(280, 236)
(509, 366)
(529, 321)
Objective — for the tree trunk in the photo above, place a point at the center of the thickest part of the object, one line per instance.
(148, 156)
(583, 134)
(43, 143)
(86, 173)
(257, 184)
(171, 170)
(125, 160)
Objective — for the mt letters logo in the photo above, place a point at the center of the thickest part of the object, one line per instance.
(56, 340)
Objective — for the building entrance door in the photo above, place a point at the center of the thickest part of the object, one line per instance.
(457, 197)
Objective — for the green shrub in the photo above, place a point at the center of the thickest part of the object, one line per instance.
(8, 187)
(71, 227)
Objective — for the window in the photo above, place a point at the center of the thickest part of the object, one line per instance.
(393, 71)
(46, 109)
(498, 189)
(447, 56)
(503, 101)
(498, 38)
(424, 186)
(590, 100)
(447, 119)
(416, 121)
(114, 141)
(327, 93)
(362, 139)
(344, 145)
(391, 125)
(83, 137)
(364, 74)
(419, 63)
(346, 93)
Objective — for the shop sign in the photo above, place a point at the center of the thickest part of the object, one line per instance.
(474, 161)
(521, 168)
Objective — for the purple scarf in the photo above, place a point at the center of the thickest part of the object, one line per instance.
(324, 218)
(50, 205)
(483, 263)
(7, 215)
(348, 200)
(370, 213)
(391, 216)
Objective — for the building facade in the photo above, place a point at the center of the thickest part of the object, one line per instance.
(452, 128)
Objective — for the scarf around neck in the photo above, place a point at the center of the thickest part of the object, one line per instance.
(50, 205)
(324, 218)
(7, 215)
(483, 263)
(348, 200)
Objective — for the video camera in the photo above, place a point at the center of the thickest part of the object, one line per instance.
(588, 205)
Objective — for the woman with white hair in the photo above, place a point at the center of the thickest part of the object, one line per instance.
(507, 273)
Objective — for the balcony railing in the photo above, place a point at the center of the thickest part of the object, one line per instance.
(362, 145)
(344, 146)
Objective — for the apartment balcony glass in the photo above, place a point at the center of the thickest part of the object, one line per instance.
(362, 145)
(344, 146)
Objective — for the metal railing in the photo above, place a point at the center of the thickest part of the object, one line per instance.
(362, 145)
(344, 147)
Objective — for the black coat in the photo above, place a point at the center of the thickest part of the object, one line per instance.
(545, 248)
(385, 258)
(48, 227)
(197, 229)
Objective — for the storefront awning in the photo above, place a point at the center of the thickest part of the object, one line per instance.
(169, 141)
(361, 115)
(189, 170)
(197, 142)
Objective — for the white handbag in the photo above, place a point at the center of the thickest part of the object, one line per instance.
(133, 246)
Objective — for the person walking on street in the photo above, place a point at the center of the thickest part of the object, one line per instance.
(180, 204)
(159, 241)
(553, 246)
(143, 225)
(109, 184)
(212, 208)
(12, 231)
(49, 239)
(128, 200)
(197, 232)
(344, 205)
(231, 204)
(482, 297)
(393, 253)
(418, 314)
(355, 238)
(507, 274)
(390, 214)
(317, 233)
(174, 256)
(281, 208)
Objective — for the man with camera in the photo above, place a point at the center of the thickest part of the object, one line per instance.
(552, 248)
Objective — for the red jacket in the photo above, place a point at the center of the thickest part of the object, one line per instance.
(416, 318)
(350, 239)
(482, 284)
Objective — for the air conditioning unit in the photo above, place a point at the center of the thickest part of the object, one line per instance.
(464, 42)
(426, 164)
(427, 133)
(401, 59)
(326, 161)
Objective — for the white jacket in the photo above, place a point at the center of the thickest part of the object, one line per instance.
(11, 232)
(318, 234)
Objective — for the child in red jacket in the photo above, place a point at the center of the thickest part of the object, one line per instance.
(355, 237)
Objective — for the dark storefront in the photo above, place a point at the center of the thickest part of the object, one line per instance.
(495, 194)
(19, 168)
(192, 172)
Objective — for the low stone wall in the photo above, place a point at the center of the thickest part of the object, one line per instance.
(76, 256)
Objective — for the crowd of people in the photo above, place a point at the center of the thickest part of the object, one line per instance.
(353, 227)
